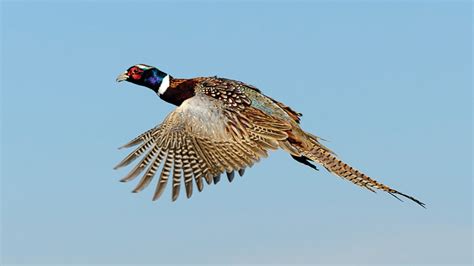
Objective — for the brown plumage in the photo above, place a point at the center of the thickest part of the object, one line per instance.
(222, 126)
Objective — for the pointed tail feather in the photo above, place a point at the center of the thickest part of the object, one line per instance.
(326, 158)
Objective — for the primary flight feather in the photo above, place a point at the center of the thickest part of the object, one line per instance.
(221, 126)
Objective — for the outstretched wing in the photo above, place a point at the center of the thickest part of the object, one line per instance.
(201, 139)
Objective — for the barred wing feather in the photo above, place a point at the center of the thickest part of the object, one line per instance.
(199, 141)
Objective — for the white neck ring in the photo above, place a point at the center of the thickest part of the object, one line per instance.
(165, 83)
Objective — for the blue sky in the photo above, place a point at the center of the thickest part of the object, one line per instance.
(389, 84)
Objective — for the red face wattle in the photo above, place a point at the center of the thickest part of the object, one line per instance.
(135, 73)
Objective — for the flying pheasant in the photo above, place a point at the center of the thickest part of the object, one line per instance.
(222, 126)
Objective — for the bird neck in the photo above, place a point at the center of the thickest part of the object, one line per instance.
(156, 80)
(178, 90)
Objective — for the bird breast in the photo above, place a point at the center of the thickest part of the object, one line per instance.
(203, 117)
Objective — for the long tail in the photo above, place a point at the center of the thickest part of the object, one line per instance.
(322, 155)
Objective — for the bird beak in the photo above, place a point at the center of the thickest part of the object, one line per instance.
(122, 77)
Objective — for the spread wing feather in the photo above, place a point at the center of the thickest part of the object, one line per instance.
(191, 151)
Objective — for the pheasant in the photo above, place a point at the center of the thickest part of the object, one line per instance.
(222, 126)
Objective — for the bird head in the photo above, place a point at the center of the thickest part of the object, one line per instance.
(148, 76)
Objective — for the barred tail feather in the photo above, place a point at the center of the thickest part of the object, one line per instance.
(328, 159)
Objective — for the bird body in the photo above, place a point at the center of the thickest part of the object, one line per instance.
(221, 126)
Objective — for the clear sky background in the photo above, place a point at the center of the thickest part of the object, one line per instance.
(388, 84)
